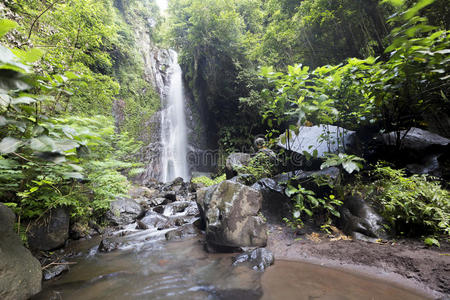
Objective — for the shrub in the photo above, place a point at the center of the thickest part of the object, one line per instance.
(260, 166)
(413, 205)
(208, 181)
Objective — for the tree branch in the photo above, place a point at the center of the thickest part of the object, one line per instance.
(40, 15)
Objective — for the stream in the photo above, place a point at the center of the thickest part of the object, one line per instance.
(146, 266)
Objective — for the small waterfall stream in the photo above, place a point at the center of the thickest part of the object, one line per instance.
(173, 126)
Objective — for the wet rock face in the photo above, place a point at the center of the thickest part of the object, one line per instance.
(421, 151)
(154, 219)
(416, 139)
(258, 259)
(235, 160)
(360, 220)
(20, 272)
(231, 213)
(181, 232)
(108, 245)
(51, 231)
(124, 211)
(275, 205)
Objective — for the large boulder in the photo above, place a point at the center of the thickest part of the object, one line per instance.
(258, 259)
(51, 231)
(154, 220)
(276, 205)
(124, 211)
(360, 220)
(420, 152)
(415, 139)
(323, 138)
(20, 272)
(231, 215)
(235, 161)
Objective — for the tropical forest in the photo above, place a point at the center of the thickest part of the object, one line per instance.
(224, 149)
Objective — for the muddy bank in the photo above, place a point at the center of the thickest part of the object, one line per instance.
(406, 263)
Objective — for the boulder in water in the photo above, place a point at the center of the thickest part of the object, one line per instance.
(20, 272)
(231, 213)
(56, 270)
(108, 245)
(155, 220)
(181, 232)
(258, 259)
(51, 231)
(124, 211)
(158, 201)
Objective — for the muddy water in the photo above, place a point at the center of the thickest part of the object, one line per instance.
(148, 267)
(295, 280)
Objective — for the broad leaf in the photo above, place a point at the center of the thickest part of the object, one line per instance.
(6, 25)
(350, 166)
(42, 144)
(9, 145)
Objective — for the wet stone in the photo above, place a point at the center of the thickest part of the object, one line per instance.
(55, 271)
(141, 225)
(107, 245)
(181, 232)
(159, 209)
(158, 201)
(171, 196)
(258, 259)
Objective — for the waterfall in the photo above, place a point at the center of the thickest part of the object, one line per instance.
(173, 126)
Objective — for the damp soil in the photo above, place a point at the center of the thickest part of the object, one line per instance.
(406, 262)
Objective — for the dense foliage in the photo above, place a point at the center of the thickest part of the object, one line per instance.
(390, 73)
(271, 66)
(63, 66)
(412, 205)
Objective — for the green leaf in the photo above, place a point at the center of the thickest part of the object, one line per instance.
(444, 52)
(416, 8)
(431, 241)
(5, 100)
(73, 175)
(23, 100)
(6, 25)
(290, 190)
(335, 213)
(9, 61)
(29, 56)
(308, 212)
(350, 166)
(8, 164)
(42, 144)
(9, 145)
(397, 3)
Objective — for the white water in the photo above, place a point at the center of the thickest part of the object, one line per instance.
(173, 127)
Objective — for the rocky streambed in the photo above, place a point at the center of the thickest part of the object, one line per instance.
(163, 247)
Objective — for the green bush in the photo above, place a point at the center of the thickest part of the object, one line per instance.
(208, 181)
(260, 166)
(413, 205)
(307, 202)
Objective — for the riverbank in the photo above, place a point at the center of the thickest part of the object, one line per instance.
(406, 263)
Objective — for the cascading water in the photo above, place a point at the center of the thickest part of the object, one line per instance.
(173, 126)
